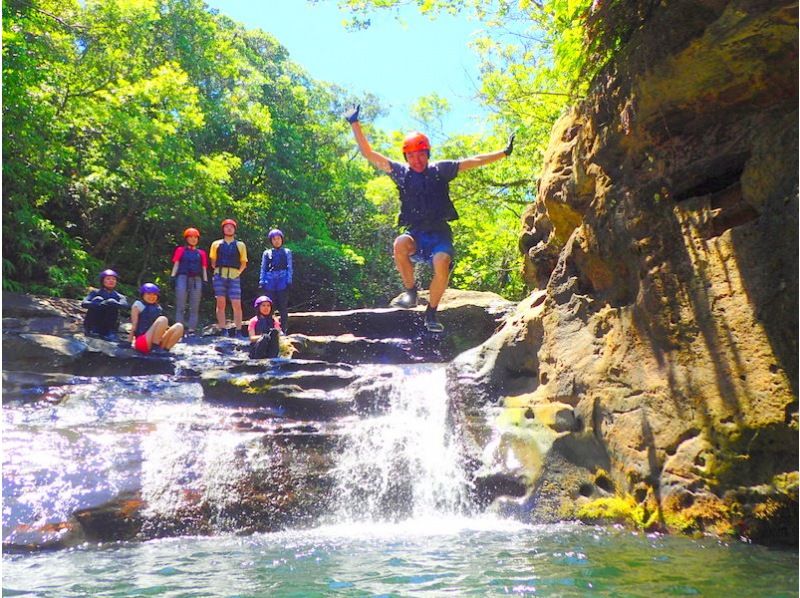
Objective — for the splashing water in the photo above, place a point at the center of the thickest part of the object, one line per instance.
(405, 463)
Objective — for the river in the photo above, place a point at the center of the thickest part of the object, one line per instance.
(400, 523)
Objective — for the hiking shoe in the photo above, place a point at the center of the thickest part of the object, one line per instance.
(431, 323)
(407, 299)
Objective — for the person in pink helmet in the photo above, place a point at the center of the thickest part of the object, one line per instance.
(264, 330)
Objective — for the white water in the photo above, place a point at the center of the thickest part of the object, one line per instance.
(406, 463)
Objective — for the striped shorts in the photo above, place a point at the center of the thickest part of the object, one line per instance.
(227, 287)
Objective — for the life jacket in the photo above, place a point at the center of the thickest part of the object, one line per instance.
(228, 254)
(190, 262)
(425, 200)
(107, 294)
(264, 324)
(146, 318)
(277, 259)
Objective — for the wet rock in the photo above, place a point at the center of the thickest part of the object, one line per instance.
(373, 394)
(662, 254)
(283, 395)
(43, 348)
(27, 386)
(79, 355)
(50, 536)
(351, 349)
(467, 314)
(119, 519)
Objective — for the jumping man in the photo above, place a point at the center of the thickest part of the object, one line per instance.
(425, 210)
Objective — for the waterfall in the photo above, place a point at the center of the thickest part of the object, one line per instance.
(405, 463)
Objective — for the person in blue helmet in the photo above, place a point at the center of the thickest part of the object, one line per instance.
(149, 327)
(264, 330)
(276, 275)
(102, 307)
(425, 210)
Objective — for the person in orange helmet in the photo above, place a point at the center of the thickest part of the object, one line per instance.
(425, 210)
(228, 259)
(189, 272)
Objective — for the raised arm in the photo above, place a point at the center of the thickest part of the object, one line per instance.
(483, 159)
(379, 161)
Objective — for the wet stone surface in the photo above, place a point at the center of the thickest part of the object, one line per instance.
(104, 444)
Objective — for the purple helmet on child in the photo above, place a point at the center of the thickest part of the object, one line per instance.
(276, 232)
(261, 300)
(105, 273)
(149, 287)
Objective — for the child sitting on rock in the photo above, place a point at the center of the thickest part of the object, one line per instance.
(102, 308)
(148, 326)
(264, 330)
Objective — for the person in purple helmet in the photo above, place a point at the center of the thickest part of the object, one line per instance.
(102, 308)
(264, 330)
(149, 327)
(276, 275)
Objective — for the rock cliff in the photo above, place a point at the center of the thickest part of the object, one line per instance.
(652, 373)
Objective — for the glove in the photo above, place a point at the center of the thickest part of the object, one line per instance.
(173, 281)
(510, 146)
(351, 115)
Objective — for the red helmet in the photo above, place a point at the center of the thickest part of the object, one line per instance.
(415, 142)
(191, 232)
(229, 221)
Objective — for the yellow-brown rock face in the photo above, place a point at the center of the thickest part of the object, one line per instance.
(662, 253)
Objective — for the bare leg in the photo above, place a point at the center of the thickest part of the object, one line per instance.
(221, 312)
(156, 331)
(404, 248)
(236, 305)
(441, 275)
(173, 334)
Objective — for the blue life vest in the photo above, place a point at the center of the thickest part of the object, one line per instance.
(264, 324)
(425, 202)
(228, 254)
(146, 318)
(105, 294)
(276, 259)
(190, 262)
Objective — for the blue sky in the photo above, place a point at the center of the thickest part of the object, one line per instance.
(397, 61)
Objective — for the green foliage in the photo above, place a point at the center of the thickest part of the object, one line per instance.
(125, 121)
(535, 59)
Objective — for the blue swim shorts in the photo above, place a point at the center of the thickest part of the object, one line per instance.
(227, 287)
(430, 243)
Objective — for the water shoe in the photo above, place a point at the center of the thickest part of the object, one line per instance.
(407, 299)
